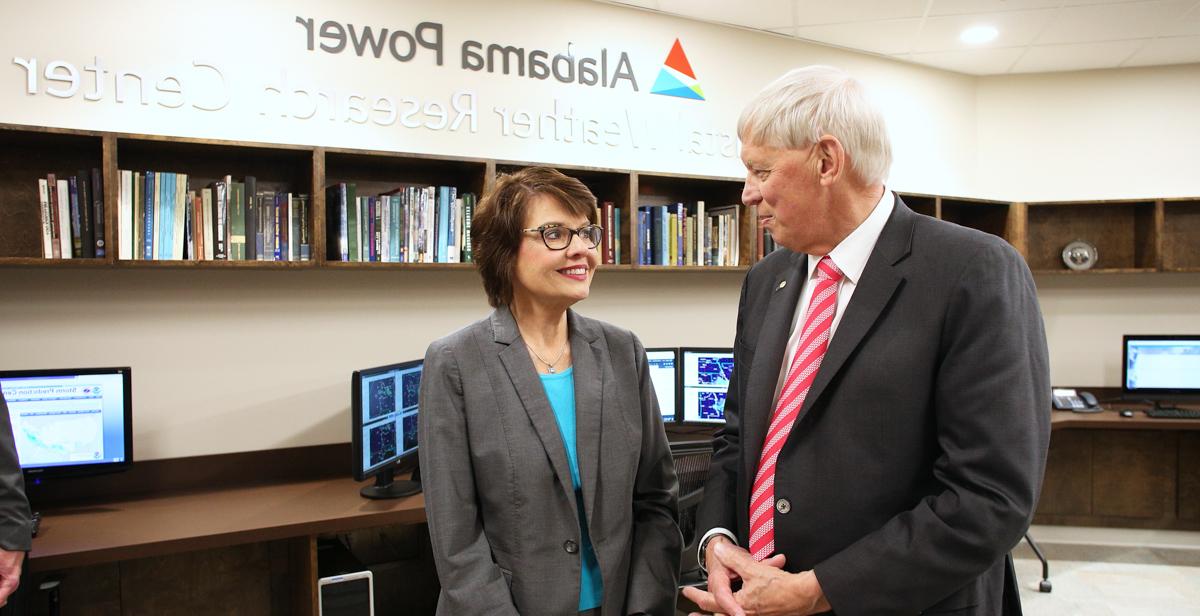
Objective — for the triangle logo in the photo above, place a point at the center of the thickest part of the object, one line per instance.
(676, 77)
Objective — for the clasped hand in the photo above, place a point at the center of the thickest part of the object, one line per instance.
(766, 590)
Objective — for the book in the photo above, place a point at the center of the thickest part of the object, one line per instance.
(617, 236)
(125, 215)
(207, 212)
(99, 224)
(305, 229)
(63, 195)
(73, 212)
(237, 221)
(47, 221)
(55, 228)
(468, 217)
(87, 231)
(250, 201)
(179, 216)
(353, 235)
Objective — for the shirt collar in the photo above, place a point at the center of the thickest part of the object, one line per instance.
(852, 253)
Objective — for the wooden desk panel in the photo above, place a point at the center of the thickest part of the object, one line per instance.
(1136, 472)
(154, 526)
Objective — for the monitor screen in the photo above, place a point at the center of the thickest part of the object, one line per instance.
(1161, 366)
(384, 414)
(664, 364)
(705, 379)
(70, 421)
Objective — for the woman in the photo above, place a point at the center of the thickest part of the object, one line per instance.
(549, 485)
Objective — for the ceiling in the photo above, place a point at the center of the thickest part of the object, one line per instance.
(1035, 36)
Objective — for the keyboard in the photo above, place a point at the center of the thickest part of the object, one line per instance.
(1173, 413)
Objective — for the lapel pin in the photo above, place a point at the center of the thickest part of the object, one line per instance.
(782, 284)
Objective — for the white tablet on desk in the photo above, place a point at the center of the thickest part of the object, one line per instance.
(352, 594)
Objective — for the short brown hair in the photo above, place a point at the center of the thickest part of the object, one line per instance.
(496, 229)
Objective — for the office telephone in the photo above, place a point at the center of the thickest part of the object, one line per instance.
(1080, 402)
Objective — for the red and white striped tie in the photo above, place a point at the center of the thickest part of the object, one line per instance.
(814, 339)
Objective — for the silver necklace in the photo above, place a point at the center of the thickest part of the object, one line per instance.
(549, 364)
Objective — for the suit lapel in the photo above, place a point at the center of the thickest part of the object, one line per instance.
(588, 359)
(515, 357)
(871, 296)
(769, 352)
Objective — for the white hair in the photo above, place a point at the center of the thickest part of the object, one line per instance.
(793, 112)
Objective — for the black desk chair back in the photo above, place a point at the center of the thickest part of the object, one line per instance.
(691, 465)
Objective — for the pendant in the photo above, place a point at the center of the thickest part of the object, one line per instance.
(551, 369)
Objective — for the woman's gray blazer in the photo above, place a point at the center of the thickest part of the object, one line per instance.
(498, 491)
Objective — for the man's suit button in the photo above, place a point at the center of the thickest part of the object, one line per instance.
(570, 546)
(783, 505)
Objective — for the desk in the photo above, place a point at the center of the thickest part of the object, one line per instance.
(217, 544)
(155, 526)
(1134, 472)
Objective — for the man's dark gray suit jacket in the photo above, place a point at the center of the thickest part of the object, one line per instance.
(917, 459)
(498, 488)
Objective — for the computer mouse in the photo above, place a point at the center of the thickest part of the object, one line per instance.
(1126, 413)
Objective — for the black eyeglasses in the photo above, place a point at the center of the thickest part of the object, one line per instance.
(558, 237)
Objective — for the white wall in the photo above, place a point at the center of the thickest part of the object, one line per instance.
(229, 361)
(1114, 134)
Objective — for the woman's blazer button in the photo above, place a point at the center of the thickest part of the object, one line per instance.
(570, 546)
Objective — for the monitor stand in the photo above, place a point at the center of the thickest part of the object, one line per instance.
(386, 485)
(1160, 405)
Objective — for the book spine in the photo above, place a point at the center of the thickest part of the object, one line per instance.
(353, 235)
(138, 223)
(237, 221)
(250, 198)
(64, 219)
(55, 240)
(181, 216)
(125, 216)
(208, 212)
(44, 209)
(99, 225)
(468, 217)
(221, 233)
(279, 233)
(617, 236)
(87, 230)
(76, 224)
(305, 230)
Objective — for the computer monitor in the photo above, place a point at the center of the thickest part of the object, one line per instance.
(704, 380)
(1161, 368)
(74, 421)
(664, 373)
(384, 426)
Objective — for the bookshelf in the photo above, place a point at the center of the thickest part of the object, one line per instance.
(278, 168)
(669, 189)
(1125, 234)
(1181, 235)
(1132, 236)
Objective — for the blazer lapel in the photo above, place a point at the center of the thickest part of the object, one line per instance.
(872, 295)
(515, 357)
(587, 357)
(769, 354)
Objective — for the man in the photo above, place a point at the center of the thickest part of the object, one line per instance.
(15, 529)
(887, 419)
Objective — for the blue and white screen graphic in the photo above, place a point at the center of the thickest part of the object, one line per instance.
(67, 420)
(1162, 364)
(389, 407)
(662, 374)
(705, 380)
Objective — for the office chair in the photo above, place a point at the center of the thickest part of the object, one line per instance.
(1044, 585)
(691, 466)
